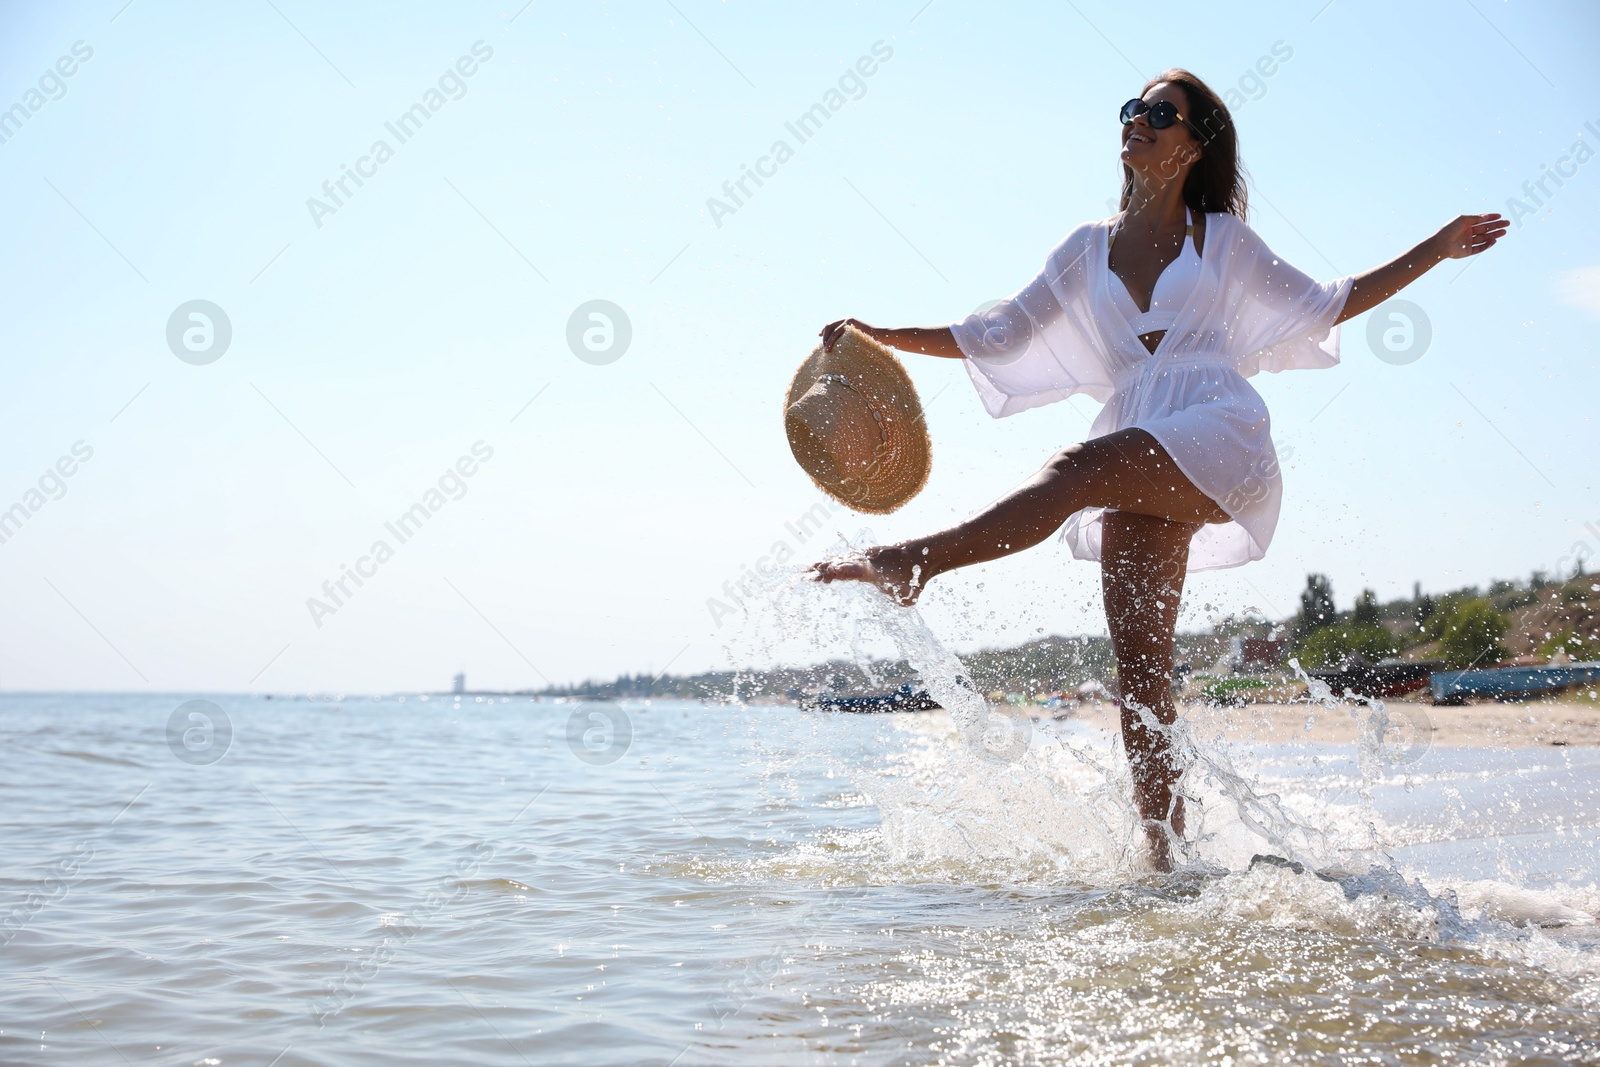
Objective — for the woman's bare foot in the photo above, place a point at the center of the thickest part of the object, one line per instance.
(892, 568)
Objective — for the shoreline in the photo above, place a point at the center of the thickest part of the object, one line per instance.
(1534, 724)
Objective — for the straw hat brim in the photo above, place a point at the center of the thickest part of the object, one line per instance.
(855, 425)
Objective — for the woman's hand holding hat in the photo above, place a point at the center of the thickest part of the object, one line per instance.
(834, 330)
(855, 424)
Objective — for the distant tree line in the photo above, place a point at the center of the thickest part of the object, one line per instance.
(1462, 628)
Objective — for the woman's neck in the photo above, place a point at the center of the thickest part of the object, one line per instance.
(1157, 206)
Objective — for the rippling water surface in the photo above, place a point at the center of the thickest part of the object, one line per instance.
(436, 882)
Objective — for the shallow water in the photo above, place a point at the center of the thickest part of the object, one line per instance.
(362, 881)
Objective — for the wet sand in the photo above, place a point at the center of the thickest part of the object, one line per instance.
(1536, 724)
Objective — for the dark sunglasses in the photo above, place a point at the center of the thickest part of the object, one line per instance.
(1160, 115)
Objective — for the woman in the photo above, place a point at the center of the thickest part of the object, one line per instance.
(1161, 313)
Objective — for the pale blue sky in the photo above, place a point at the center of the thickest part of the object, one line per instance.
(377, 349)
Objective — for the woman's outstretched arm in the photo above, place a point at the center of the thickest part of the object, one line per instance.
(1461, 237)
(929, 340)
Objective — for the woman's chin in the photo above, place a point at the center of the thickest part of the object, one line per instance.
(1144, 165)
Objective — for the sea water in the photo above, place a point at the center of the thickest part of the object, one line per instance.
(347, 879)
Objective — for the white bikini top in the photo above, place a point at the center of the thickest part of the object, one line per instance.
(1172, 291)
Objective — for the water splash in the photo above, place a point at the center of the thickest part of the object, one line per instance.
(989, 793)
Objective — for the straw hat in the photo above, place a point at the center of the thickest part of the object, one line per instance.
(855, 425)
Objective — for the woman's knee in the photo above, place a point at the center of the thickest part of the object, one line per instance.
(1103, 464)
(1081, 463)
(1066, 460)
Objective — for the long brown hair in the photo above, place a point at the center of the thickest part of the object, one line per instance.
(1217, 181)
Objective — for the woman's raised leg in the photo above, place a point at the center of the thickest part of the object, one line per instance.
(1144, 561)
(1127, 470)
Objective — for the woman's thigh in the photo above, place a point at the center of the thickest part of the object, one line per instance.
(1129, 470)
(1144, 561)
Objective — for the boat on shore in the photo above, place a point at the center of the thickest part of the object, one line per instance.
(902, 699)
(1509, 683)
(1387, 678)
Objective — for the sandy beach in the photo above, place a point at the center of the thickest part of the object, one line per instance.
(1535, 724)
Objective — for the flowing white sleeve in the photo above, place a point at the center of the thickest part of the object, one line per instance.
(1041, 345)
(1278, 318)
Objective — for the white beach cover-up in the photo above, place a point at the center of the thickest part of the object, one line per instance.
(1249, 312)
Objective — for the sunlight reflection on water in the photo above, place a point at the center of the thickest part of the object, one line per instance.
(365, 882)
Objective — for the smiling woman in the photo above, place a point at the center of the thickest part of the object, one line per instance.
(1160, 313)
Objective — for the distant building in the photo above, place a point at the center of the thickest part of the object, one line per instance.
(461, 684)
